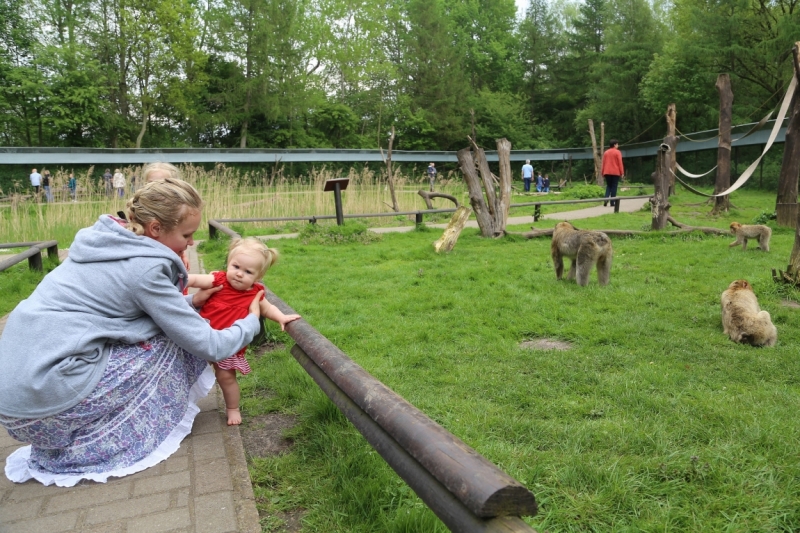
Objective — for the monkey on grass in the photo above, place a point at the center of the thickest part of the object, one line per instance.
(744, 232)
(585, 249)
(742, 319)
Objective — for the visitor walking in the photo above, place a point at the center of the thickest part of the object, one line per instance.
(612, 170)
(108, 178)
(72, 185)
(432, 175)
(36, 182)
(527, 175)
(48, 195)
(119, 182)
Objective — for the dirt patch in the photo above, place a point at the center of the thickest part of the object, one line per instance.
(285, 522)
(267, 347)
(789, 303)
(262, 436)
(545, 344)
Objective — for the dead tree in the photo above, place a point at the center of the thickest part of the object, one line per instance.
(489, 195)
(450, 236)
(786, 202)
(660, 202)
(672, 140)
(723, 181)
(428, 195)
(389, 176)
(597, 162)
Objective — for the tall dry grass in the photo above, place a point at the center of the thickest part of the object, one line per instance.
(227, 193)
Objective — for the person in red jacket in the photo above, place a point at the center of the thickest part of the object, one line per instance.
(612, 170)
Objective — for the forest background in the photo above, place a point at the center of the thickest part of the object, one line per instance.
(341, 73)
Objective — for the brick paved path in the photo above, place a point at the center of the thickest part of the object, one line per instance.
(203, 488)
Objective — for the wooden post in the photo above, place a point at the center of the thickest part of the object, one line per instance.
(601, 179)
(504, 199)
(476, 200)
(450, 236)
(723, 181)
(389, 176)
(660, 203)
(786, 202)
(595, 157)
(672, 140)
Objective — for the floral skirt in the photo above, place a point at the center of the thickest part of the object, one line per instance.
(137, 416)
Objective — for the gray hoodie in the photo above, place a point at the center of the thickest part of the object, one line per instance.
(115, 286)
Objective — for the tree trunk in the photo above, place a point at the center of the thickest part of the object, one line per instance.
(601, 151)
(722, 203)
(672, 140)
(595, 157)
(389, 175)
(786, 203)
(143, 129)
(504, 201)
(660, 202)
(450, 236)
(476, 200)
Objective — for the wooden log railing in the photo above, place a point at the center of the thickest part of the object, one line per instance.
(33, 254)
(537, 212)
(466, 491)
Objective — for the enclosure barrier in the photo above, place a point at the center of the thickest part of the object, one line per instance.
(33, 254)
(537, 212)
(466, 491)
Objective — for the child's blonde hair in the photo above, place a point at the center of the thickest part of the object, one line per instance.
(268, 256)
(169, 168)
(168, 201)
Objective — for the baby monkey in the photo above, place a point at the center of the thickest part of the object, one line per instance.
(742, 319)
(744, 232)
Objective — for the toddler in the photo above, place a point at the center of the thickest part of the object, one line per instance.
(248, 261)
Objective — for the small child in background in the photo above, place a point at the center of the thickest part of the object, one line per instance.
(539, 182)
(72, 185)
(546, 183)
(248, 261)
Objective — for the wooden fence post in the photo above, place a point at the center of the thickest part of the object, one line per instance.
(786, 201)
(660, 203)
(723, 181)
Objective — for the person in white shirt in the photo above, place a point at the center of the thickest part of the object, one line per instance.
(527, 174)
(36, 181)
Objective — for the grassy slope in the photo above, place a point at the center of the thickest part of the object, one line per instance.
(653, 421)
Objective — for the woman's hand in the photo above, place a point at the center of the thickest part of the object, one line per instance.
(255, 305)
(201, 297)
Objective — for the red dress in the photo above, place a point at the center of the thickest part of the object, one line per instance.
(226, 307)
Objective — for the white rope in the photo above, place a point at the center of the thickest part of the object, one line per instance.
(773, 134)
(689, 175)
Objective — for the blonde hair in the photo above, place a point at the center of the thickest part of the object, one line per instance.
(268, 256)
(169, 168)
(168, 201)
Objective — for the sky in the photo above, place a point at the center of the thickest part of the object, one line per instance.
(522, 5)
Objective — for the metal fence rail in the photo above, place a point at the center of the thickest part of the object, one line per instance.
(466, 491)
(33, 254)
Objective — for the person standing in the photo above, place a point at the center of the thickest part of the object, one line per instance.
(546, 183)
(539, 182)
(107, 180)
(36, 181)
(432, 174)
(527, 175)
(119, 182)
(72, 184)
(612, 170)
(48, 196)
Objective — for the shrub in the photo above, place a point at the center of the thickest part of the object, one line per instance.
(351, 232)
(583, 191)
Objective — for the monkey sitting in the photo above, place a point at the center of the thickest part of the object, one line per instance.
(742, 319)
(585, 249)
(744, 232)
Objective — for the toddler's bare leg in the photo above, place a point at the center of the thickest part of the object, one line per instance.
(230, 391)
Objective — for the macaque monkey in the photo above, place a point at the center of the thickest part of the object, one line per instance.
(742, 320)
(744, 232)
(585, 249)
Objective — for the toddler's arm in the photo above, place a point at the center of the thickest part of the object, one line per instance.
(273, 313)
(201, 281)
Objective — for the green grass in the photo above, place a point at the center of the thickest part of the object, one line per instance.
(18, 282)
(653, 421)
